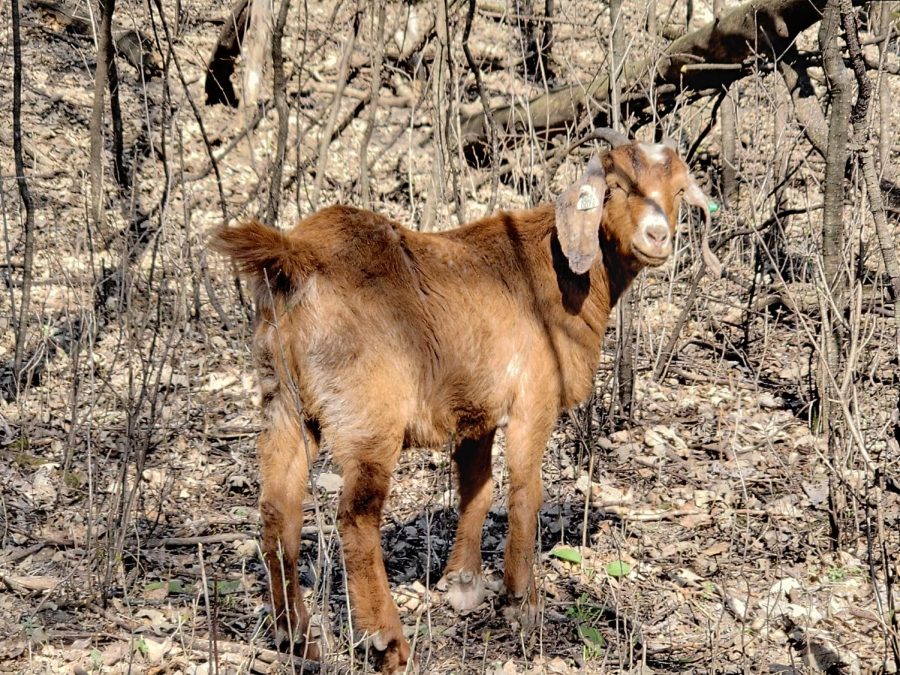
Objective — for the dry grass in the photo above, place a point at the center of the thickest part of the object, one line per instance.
(128, 505)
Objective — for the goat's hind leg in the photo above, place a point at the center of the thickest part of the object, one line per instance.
(367, 467)
(285, 450)
(463, 577)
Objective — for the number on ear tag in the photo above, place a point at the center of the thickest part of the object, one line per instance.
(587, 198)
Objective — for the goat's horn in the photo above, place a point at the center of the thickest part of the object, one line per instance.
(611, 136)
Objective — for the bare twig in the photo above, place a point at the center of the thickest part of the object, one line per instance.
(328, 130)
(373, 109)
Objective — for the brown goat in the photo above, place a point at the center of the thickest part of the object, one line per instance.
(386, 338)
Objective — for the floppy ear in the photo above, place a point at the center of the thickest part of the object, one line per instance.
(578, 213)
(694, 196)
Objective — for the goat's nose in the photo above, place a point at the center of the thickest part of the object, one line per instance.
(657, 234)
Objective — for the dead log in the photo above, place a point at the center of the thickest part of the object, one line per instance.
(131, 44)
(221, 64)
(704, 60)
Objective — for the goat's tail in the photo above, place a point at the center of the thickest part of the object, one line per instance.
(267, 256)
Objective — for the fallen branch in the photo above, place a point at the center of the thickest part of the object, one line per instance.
(29, 584)
(753, 30)
(131, 44)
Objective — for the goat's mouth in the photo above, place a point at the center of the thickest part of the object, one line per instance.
(650, 259)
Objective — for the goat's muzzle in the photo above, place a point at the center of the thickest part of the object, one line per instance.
(652, 243)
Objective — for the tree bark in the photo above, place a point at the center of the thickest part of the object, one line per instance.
(528, 44)
(833, 300)
(96, 131)
(278, 86)
(24, 193)
(547, 42)
(377, 78)
(835, 160)
(885, 9)
(120, 167)
(865, 155)
(729, 134)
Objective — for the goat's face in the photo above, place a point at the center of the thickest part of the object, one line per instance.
(647, 184)
(636, 190)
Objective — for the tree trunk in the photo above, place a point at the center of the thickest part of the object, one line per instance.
(24, 193)
(729, 134)
(101, 76)
(528, 45)
(278, 86)
(217, 83)
(120, 167)
(547, 42)
(862, 140)
(885, 9)
(834, 300)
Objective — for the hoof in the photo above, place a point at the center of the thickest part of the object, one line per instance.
(521, 613)
(395, 650)
(307, 649)
(392, 665)
(465, 590)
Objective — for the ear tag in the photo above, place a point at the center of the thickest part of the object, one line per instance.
(587, 199)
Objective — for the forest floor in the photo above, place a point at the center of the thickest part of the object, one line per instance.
(695, 539)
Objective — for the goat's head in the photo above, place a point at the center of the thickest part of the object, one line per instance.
(638, 187)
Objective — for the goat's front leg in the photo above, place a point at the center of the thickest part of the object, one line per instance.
(526, 439)
(284, 455)
(366, 483)
(463, 576)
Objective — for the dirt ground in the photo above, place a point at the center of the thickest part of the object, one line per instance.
(696, 539)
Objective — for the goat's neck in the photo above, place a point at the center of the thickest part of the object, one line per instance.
(578, 326)
(619, 270)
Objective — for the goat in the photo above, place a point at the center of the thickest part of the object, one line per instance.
(387, 338)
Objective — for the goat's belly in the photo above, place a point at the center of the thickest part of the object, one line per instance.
(463, 420)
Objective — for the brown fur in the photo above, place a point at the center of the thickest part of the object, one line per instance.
(385, 338)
